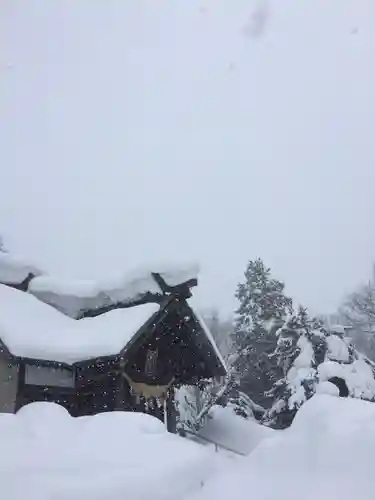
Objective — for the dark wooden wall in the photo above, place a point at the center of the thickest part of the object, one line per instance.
(101, 386)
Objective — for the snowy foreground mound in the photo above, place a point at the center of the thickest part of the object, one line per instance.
(48, 455)
(327, 454)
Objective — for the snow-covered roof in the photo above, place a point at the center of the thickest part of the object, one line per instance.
(75, 297)
(33, 329)
(72, 297)
(209, 336)
(14, 270)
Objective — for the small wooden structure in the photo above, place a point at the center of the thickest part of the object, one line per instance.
(172, 347)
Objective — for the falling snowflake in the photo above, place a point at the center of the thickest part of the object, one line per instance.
(258, 21)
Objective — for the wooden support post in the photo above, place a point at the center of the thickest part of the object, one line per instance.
(170, 416)
(20, 386)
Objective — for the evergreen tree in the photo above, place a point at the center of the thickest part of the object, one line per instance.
(358, 312)
(262, 309)
(315, 359)
(300, 348)
(242, 405)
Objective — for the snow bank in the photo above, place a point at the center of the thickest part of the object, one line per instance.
(358, 376)
(46, 454)
(327, 388)
(339, 416)
(233, 432)
(33, 329)
(72, 297)
(327, 453)
(14, 270)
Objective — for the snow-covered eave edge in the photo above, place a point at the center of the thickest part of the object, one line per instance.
(95, 299)
(153, 320)
(140, 299)
(210, 339)
(85, 361)
(17, 271)
(182, 290)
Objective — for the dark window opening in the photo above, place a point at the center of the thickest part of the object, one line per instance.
(151, 360)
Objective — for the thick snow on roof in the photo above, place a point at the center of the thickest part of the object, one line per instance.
(30, 328)
(61, 286)
(69, 297)
(14, 270)
(178, 274)
(75, 296)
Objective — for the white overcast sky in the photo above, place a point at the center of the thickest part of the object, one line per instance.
(205, 130)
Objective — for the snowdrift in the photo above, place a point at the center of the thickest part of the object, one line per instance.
(358, 376)
(46, 454)
(327, 453)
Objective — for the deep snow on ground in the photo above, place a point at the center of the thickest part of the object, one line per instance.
(326, 454)
(48, 455)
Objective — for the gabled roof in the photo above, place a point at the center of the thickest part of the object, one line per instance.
(41, 322)
(30, 328)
